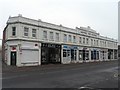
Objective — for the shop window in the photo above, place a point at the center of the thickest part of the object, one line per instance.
(64, 53)
(115, 54)
(68, 52)
(73, 54)
(91, 55)
(80, 55)
(87, 55)
(97, 56)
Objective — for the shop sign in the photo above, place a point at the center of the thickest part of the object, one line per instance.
(70, 47)
(74, 47)
(13, 48)
(50, 45)
(65, 46)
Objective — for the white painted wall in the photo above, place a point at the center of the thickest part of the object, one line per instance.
(119, 22)
(20, 33)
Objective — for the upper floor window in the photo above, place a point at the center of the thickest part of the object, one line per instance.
(83, 40)
(33, 32)
(65, 38)
(44, 34)
(91, 41)
(70, 38)
(57, 36)
(26, 31)
(51, 36)
(87, 41)
(105, 43)
(74, 39)
(97, 42)
(100, 43)
(80, 39)
(13, 31)
(94, 42)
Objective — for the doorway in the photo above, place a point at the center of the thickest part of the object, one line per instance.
(73, 54)
(13, 58)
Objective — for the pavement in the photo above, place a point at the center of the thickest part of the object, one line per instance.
(94, 75)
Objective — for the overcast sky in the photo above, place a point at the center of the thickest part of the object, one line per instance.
(100, 15)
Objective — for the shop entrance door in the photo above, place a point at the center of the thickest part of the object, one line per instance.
(13, 58)
(73, 54)
(44, 56)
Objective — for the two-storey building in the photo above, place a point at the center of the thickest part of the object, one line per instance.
(28, 42)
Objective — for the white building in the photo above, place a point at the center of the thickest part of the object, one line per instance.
(29, 42)
(119, 30)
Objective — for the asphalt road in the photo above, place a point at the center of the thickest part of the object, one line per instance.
(85, 75)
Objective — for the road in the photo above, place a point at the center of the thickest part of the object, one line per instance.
(91, 75)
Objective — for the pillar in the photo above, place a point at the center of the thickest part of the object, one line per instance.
(113, 54)
(77, 55)
(99, 55)
(39, 54)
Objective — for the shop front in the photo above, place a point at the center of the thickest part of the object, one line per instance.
(69, 54)
(103, 54)
(110, 54)
(94, 54)
(50, 53)
(85, 54)
(115, 54)
(80, 55)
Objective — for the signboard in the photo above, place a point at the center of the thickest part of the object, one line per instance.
(13, 48)
(70, 47)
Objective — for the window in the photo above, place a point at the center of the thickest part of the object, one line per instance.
(13, 31)
(80, 55)
(65, 38)
(87, 41)
(97, 42)
(64, 53)
(57, 36)
(34, 33)
(105, 43)
(91, 41)
(100, 43)
(80, 39)
(26, 30)
(70, 38)
(83, 40)
(51, 36)
(94, 42)
(44, 34)
(74, 39)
